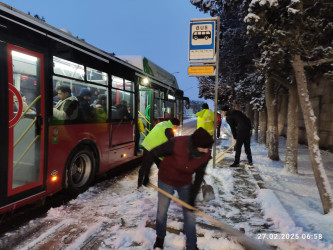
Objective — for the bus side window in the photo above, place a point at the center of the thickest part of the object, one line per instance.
(122, 105)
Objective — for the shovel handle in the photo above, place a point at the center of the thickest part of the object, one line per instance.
(220, 155)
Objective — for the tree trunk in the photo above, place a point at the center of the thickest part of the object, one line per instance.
(292, 132)
(272, 121)
(256, 124)
(263, 126)
(250, 113)
(312, 136)
(283, 109)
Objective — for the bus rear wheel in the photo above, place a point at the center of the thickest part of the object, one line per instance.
(80, 170)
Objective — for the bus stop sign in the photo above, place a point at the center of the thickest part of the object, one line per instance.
(202, 41)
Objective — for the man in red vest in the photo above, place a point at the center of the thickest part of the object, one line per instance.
(183, 156)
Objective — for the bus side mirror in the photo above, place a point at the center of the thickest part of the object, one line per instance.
(187, 102)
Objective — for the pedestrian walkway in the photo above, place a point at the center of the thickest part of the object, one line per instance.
(234, 205)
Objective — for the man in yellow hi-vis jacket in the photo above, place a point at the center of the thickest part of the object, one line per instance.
(162, 132)
(206, 119)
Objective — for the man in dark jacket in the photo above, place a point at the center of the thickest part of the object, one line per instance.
(123, 111)
(183, 156)
(241, 130)
(86, 112)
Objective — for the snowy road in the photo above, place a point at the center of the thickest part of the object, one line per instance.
(115, 215)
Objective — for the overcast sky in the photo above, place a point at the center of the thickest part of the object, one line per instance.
(156, 29)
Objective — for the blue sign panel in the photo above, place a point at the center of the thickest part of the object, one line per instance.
(202, 41)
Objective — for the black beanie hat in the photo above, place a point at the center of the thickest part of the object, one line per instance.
(175, 121)
(205, 106)
(201, 139)
(85, 92)
(225, 108)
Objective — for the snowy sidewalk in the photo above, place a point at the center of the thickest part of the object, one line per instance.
(263, 201)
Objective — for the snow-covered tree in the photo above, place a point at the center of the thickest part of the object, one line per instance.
(295, 36)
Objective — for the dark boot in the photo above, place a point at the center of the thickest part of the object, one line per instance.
(249, 160)
(196, 248)
(159, 243)
(234, 165)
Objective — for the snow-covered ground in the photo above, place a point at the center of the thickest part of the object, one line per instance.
(284, 209)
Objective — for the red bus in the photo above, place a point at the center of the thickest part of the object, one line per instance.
(43, 152)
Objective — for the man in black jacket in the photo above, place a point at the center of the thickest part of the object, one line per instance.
(241, 130)
(86, 112)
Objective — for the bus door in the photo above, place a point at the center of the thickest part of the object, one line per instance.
(25, 126)
(145, 102)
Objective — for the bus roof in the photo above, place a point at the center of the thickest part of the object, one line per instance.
(36, 25)
(150, 68)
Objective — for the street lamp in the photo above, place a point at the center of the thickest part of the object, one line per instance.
(145, 81)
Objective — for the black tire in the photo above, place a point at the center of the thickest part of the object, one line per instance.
(80, 170)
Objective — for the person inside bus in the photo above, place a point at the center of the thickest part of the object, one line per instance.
(100, 105)
(67, 107)
(183, 157)
(86, 111)
(31, 110)
(123, 111)
(100, 102)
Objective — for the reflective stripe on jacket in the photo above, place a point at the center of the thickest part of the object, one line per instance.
(157, 135)
(206, 120)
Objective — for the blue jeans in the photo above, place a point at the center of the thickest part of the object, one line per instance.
(162, 209)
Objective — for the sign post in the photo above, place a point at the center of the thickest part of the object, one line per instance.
(204, 41)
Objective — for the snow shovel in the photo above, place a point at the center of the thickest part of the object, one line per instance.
(207, 191)
(220, 156)
(247, 242)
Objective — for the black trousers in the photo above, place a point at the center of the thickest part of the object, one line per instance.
(156, 159)
(238, 148)
(147, 161)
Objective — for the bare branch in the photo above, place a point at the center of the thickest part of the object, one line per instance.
(318, 62)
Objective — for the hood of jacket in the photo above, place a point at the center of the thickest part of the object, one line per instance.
(201, 113)
(230, 112)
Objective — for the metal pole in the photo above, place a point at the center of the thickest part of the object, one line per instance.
(217, 44)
